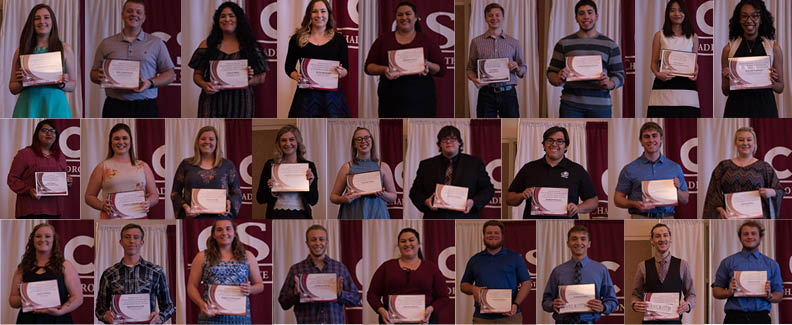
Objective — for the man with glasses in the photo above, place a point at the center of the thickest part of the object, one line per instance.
(554, 170)
(451, 167)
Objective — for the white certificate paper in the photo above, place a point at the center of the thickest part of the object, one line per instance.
(678, 63)
(751, 72)
(495, 301)
(407, 61)
(575, 297)
(121, 74)
(316, 287)
(290, 178)
(549, 201)
(750, 283)
(406, 308)
(41, 69)
(39, 295)
(228, 74)
(51, 184)
(493, 70)
(365, 183)
(661, 306)
(584, 67)
(131, 308)
(210, 201)
(127, 205)
(227, 300)
(743, 205)
(450, 197)
(319, 74)
(661, 192)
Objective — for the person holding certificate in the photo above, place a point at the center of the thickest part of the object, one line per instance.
(48, 99)
(406, 94)
(752, 34)
(586, 98)
(289, 149)
(744, 173)
(155, 66)
(42, 155)
(150, 279)
(554, 171)
(317, 262)
(496, 98)
(651, 165)
(43, 261)
(754, 307)
(206, 169)
(409, 274)
(674, 93)
(580, 270)
(231, 38)
(364, 161)
(224, 262)
(121, 172)
(317, 39)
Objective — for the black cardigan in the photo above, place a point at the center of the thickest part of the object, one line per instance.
(264, 195)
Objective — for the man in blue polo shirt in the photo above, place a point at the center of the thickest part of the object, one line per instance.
(651, 165)
(748, 310)
(496, 268)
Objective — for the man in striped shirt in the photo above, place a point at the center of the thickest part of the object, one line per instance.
(586, 98)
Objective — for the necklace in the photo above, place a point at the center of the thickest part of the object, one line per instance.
(751, 45)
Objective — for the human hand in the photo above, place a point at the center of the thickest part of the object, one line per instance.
(429, 202)
(391, 74)
(721, 213)
(605, 82)
(469, 206)
(766, 193)
(309, 175)
(33, 193)
(563, 74)
(595, 305)
(572, 209)
(513, 65)
(250, 72)
(342, 72)
(558, 303)
(664, 76)
(640, 306)
(144, 85)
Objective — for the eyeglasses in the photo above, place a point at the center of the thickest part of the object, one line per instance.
(754, 16)
(48, 130)
(556, 141)
(449, 139)
(362, 139)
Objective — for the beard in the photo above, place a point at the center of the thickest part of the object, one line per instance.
(493, 246)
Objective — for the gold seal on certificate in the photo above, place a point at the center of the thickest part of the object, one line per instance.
(121, 74)
(661, 192)
(549, 201)
(678, 63)
(450, 197)
(750, 283)
(750, 72)
(51, 184)
(290, 178)
(39, 295)
(495, 301)
(365, 183)
(584, 67)
(208, 200)
(575, 297)
(127, 205)
(227, 300)
(743, 205)
(493, 70)
(661, 306)
(319, 74)
(41, 69)
(406, 308)
(407, 61)
(228, 74)
(317, 287)
(131, 308)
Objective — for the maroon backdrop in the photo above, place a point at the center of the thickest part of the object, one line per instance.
(515, 239)
(627, 44)
(701, 14)
(485, 144)
(347, 18)
(681, 141)
(239, 149)
(351, 239)
(391, 151)
(438, 247)
(163, 19)
(774, 145)
(70, 146)
(607, 247)
(77, 245)
(784, 257)
(263, 18)
(150, 141)
(597, 161)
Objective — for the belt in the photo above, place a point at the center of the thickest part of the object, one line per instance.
(655, 215)
(499, 89)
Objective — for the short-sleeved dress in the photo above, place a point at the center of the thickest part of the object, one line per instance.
(730, 178)
(751, 102)
(45, 101)
(318, 103)
(677, 97)
(189, 177)
(367, 206)
(224, 273)
(63, 292)
(122, 177)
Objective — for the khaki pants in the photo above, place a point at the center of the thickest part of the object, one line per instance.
(515, 319)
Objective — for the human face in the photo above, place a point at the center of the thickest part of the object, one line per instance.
(493, 237)
(749, 237)
(317, 242)
(750, 19)
(207, 142)
(46, 135)
(408, 245)
(661, 239)
(494, 18)
(675, 14)
(744, 141)
(450, 146)
(555, 146)
(131, 241)
(405, 19)
(228, 20)
(42, 22)
(223, 232)
(43, 239)
(579, 244)
(120, 142)
(652, 141)
(319, 14)
(288, 143)
(586, 18)
(133, 15)
(362, 140)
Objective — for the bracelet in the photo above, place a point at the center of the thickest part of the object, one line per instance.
(151, 80)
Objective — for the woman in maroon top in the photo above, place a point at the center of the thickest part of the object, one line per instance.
(408, 275)
(43, 155)
(405, 95)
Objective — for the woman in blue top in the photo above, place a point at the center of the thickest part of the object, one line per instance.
(40, 35)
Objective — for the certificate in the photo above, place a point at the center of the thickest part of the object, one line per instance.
(661, 192)
(127, 205)
(584, 67)
(211, 201)
(131, 308)
(51, 184)
(316, 287)
(750, 283)
(407, 61)
(751, 72)
(41, 69)
(549, 201)
(743, 205)
(365, 183)
(228, 74)
(495, 301)
(290, 178)
(39, 295)
(678, 63)
(227, 300)
(450, 197)
(319, 74)
(661, 306)
(493, 70)
(121, 74)
(575, 297)
(406, 308)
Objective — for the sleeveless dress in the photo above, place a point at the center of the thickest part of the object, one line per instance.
(121, 177)
(751, 102)
(229, 103)
(368, 206)
(46, 101)
(677, 97)
(31, 318)
(225, 273)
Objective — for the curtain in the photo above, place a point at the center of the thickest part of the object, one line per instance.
(104, 20)
(690, 244)
(486, 145)
(551, 237)
(15, 233)
(368, 32)
(290, 14)
(339, 136)
(97, 133)
(17, 134)
(681, 141)
(712, 149)
(314, 133)
(644, 34)
(597, 164)
(469, 241)
(622, 154)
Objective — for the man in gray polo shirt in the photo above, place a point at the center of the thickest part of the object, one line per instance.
(156, 67)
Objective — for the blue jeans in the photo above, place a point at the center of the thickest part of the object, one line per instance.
(495, 104)
(575, 111)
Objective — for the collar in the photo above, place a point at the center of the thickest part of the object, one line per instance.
(745, 253)
(666, 258)
(499, 253)
(309, 260)
(645, 160)
(140, 262)
(140, 37)
(564, 163)
(452, 159)
(584, 262)
(489, 34)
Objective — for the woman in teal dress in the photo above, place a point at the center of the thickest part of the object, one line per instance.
(40, 35)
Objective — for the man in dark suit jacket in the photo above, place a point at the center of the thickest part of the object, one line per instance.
(466, 171)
